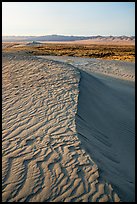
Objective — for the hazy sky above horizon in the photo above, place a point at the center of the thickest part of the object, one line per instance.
(68, 18)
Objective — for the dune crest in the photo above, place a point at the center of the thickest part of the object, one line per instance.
(42, 156)
(105, 119)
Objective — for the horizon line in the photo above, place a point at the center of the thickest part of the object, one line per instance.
(66, 35)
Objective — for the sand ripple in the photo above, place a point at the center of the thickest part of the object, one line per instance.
(42, 155)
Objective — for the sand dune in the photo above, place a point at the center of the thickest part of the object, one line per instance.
(105, 125)
(117, 69)
(105, 119)
(42, 157)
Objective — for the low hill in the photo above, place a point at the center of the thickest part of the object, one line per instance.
(63, 38)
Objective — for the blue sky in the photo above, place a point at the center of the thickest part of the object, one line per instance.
(68, 18)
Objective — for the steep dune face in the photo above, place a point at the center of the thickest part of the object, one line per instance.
(105, 125)
(42, 157)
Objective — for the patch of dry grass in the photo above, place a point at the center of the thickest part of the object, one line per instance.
(111, 52)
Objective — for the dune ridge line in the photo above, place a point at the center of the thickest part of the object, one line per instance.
(42, 156)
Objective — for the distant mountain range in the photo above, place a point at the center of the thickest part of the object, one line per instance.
(64, 38)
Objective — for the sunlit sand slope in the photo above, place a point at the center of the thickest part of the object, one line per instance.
(42, 157)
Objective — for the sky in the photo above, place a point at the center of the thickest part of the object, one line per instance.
(68, 18)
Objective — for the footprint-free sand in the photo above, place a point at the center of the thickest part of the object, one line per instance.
(67, 134)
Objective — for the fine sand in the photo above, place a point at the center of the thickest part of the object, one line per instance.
(117, 69)
(105, 124)
(68, 135)
(105, 119)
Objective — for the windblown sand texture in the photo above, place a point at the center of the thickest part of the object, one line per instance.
(106, 128)
(42, 156)
(116, 69)
(105, 119)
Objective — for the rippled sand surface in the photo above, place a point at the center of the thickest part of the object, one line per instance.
(42, 156)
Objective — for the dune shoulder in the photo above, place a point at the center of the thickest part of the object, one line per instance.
(42, 157)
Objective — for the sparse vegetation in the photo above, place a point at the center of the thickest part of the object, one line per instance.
(111, 52)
